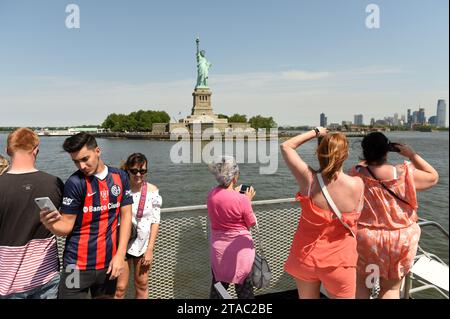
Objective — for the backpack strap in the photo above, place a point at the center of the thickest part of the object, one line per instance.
(330, 201)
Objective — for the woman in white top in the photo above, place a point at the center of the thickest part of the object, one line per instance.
(146, 219)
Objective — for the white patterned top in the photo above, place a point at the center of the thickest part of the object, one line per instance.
(151, 215)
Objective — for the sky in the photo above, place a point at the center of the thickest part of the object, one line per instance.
(290, 60)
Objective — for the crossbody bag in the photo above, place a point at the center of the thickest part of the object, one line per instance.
(385, 187)
(140, 211)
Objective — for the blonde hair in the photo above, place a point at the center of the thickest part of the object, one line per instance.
(22, 139)
(4, 164)
(332, 153)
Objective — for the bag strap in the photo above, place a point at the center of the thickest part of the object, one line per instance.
(258, 237)
(385, 187)
(143, 197)
(330, 201)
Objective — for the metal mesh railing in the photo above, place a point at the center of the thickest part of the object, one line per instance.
(181, 267)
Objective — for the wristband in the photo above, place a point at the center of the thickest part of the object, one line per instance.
(316, 129)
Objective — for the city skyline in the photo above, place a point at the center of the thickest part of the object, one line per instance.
(282, 59)
(410, 117)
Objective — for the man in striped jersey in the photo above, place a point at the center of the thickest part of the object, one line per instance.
(95, 198)
(29, 267)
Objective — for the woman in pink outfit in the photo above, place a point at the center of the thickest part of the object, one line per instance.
(230, 215)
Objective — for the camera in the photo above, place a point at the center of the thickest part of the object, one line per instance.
(392, 147)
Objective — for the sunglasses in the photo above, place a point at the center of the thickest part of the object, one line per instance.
(134, 171)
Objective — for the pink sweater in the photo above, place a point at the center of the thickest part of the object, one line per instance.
(232, 252)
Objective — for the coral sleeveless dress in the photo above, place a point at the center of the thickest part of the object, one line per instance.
(321, 240)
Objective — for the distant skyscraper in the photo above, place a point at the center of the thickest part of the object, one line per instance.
(408, 117)
(372, 121)
(395, 119)
(389, 120)
(421, 116)
(432, 120)
(441, 113)
(323, 120)
(415, 117)
(358, 119)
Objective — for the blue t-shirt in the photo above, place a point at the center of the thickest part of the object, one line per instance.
(94, 238)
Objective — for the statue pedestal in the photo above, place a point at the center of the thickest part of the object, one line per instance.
(202, 116)
(202, 113)
(202, 102)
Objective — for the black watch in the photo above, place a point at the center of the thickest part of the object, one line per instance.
(317, 131)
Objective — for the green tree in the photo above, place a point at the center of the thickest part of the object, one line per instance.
(259, 121)
(238, 118)
(160, 117)
(119, 124)
(130, 123)
(223, 116)
(143, 120)
(139, 121)
(110, 121)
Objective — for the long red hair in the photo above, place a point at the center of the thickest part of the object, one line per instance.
(332, 152)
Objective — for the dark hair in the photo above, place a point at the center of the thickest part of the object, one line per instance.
(133, 159)
(375, 146)
(78, 141)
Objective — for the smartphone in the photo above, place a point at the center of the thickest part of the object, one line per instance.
(244, 188)
(393, 147)
(45, 203)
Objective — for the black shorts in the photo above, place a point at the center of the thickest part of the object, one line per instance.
(128, 256)
(95, 282)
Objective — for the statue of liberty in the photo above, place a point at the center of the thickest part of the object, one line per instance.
(202, 68)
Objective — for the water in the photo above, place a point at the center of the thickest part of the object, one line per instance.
(188, 184)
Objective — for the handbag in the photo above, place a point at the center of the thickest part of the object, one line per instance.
(140, 211)
(133, 234)
(261, 273)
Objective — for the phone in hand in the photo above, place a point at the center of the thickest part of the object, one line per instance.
(45, 203)
(392, 147)
(244, 188)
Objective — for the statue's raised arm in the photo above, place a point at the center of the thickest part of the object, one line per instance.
(198, 45)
